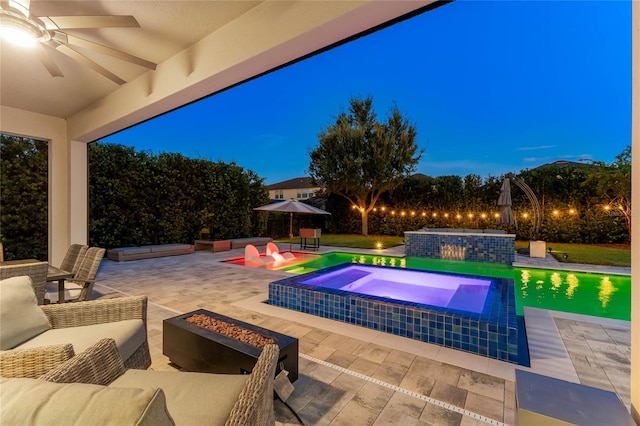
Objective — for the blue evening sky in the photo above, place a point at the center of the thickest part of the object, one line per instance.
(492, 87)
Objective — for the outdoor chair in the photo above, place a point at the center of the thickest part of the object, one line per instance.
(73, 258)
(36, 270)
(79, 287)
(272, 250)
(98, 377)
(252, 257)
(32, 336)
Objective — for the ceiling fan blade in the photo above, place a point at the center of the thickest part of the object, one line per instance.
(48, 62)
(79, 22)
(69, 51)
(21, 6)
(80, 42)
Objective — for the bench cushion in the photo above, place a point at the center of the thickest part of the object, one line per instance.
(185, 392)
(129, 251)
(170, 248)
(20, 316)
(148, 252)
(78, 403)
(128, 334)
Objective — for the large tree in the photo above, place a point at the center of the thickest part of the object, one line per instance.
(360, 158)
(614, 183)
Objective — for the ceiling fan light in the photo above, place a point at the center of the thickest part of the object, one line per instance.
(18, 36)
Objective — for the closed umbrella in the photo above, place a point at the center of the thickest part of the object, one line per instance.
(292, 206)
(504, 202)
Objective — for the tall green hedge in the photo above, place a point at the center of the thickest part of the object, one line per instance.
(572, 208)
(137, 198)
(23, 197)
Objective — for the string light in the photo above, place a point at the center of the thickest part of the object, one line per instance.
(470, 215)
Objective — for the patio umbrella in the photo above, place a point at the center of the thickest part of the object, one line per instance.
(291, 206)
(504, 202)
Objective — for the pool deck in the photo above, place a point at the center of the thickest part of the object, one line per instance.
(351, 375)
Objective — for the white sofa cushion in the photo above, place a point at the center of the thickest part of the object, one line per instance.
(128, 334)
(36, 402)
(20, 316)
(192, 398)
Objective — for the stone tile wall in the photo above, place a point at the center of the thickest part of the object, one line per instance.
(464, 246)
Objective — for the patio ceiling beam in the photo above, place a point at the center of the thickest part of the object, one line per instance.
(263, 39)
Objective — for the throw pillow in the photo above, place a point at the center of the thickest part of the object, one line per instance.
(20, 316)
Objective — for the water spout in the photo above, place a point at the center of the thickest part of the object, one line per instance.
(452, 252)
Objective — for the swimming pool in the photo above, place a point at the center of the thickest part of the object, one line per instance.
(603, 295)
(471, 313)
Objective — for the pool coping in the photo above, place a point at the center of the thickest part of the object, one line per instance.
(551, 357)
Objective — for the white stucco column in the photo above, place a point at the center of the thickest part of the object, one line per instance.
(78, 193)
(635, 214)
(53, 130)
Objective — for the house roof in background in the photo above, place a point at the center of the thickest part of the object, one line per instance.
(295, 183)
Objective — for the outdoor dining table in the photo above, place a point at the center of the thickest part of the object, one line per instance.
(53, 274)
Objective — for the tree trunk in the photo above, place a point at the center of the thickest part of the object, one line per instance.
(365, 223)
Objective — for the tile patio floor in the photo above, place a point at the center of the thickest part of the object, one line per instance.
(355, 376)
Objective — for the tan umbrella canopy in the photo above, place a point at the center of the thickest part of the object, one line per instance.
(504, 202)
(292, 206)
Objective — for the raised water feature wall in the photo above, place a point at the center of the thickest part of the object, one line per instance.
(474, 245)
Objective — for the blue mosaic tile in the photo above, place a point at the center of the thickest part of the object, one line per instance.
(493, 333)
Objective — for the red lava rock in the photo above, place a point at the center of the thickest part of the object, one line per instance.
(230, 330)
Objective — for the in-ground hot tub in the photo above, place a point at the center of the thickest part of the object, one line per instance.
(470, 313)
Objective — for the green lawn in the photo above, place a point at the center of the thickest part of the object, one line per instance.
(575, 253)
(592, 254)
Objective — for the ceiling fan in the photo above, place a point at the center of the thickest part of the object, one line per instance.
(43, 32)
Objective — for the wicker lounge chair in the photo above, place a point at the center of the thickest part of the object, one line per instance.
(73, 258)
(36, 270)
(30, 330)
(185, 398)
(79, 288)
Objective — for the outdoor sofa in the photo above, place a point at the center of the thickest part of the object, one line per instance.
(30, 328)
(95, 388)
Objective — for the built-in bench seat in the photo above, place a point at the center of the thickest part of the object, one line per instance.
(148, 252)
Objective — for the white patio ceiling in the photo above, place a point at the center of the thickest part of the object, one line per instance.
(201, 47)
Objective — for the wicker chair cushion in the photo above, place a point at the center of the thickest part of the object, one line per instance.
(186, 392)
(20, 315)
(128, 334)
(78, 403)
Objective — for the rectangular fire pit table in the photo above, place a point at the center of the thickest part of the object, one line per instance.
(195, 348)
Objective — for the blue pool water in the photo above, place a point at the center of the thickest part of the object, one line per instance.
(445, 291)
